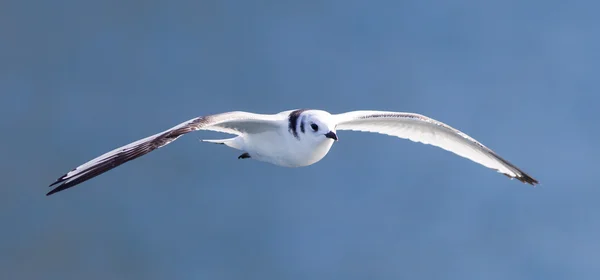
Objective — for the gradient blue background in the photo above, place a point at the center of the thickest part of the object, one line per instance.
(78, 78)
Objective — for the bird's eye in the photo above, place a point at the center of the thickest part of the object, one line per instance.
(314, 126)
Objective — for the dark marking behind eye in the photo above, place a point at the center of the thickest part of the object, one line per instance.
(293, 121)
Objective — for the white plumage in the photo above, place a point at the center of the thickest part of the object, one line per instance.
(298, 138)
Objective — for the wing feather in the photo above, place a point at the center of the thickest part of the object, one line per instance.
(419, 128)
(237, 123)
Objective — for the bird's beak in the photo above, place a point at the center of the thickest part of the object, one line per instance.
(331, 135)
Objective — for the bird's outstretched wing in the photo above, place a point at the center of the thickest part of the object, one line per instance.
(232, 122)
(419, 128)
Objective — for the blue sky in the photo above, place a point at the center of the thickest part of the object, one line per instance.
(79, 78)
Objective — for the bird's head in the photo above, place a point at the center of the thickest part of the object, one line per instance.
(318, 126)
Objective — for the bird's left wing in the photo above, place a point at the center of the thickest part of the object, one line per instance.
(419, 128)
(232, 122)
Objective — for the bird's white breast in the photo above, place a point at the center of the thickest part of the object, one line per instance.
(281, 148)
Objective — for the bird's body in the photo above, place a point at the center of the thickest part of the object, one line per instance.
(297, 138)
(280, 150)
(278, 145)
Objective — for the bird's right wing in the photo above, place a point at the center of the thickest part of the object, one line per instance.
(419, 128)
(237, 123)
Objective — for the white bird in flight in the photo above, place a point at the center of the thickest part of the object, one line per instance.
(297, 138)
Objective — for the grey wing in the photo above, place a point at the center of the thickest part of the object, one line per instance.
(233, 123)
(419, 128)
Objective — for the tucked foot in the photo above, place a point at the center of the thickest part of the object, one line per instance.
(244, 155)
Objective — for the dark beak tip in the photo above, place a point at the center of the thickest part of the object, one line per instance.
(331, 135)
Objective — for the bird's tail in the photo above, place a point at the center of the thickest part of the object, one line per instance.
(231, 142)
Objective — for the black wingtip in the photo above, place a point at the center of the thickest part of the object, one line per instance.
(60, 179)
(62, 187)
(520, 175)
(54, 191)
(527, 179)
(56, 182)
